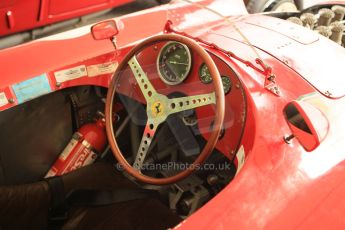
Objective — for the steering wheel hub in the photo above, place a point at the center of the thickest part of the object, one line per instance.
(157, 108)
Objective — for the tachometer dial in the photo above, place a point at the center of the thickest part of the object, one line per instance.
(226, 84)
(204, 74)
(174, 63)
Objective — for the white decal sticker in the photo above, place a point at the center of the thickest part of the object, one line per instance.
(241, 157)
(68, 149)
(70, 74)
(104, 68)
(3, 99)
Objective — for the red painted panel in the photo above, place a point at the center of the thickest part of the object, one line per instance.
(65, 6)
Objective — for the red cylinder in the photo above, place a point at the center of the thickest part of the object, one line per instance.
(83, 149)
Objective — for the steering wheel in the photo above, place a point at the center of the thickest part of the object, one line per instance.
(159, 107)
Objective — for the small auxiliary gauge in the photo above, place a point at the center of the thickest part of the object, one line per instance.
(204, 74)
(226, 84)
(206, 78)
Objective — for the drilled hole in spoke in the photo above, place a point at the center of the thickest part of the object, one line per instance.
(151, 126)
(145, 86)
(194, 101)
(142, 80)
(145, 142)
(149, 93)
(172, 105)
(187, 102)
(143, 149)
(199, 100)
(139, 75)
(181, 103)
(204, 99)
(148, 135)
(141, 154)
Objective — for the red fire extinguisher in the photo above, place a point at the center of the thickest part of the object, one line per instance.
(89, 141)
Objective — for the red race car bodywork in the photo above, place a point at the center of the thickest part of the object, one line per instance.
(277, 185)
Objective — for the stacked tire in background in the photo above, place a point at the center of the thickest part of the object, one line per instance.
(328, 22)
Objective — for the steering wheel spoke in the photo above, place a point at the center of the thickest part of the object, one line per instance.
(140, 76)
(146, 140)
(190, 102)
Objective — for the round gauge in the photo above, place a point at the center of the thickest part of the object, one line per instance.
(204, 74)
(174, 63)
(226, 84)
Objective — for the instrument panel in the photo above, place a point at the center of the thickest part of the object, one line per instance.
(174, 64)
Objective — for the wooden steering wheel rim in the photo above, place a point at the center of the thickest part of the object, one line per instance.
(219, 116)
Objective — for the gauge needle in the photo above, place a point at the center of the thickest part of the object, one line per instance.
(170, 68)
(177, 63)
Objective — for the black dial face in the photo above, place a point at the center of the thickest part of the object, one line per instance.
(204, 74)
(206, 78)
(226, 84)
(174, 63)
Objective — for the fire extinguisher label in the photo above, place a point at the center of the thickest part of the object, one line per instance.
(80, 150)
(66, 152)
(78, 153)
(85, 158)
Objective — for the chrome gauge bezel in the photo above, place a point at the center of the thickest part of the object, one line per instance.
(189, 66)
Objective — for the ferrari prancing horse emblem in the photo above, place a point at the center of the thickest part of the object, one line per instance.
(157, 108)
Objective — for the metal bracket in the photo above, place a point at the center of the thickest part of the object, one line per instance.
(269, 84)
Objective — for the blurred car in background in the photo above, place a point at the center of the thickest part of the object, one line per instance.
(18, 16)
(23, 21)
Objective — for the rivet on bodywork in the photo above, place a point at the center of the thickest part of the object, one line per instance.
(288, 139)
